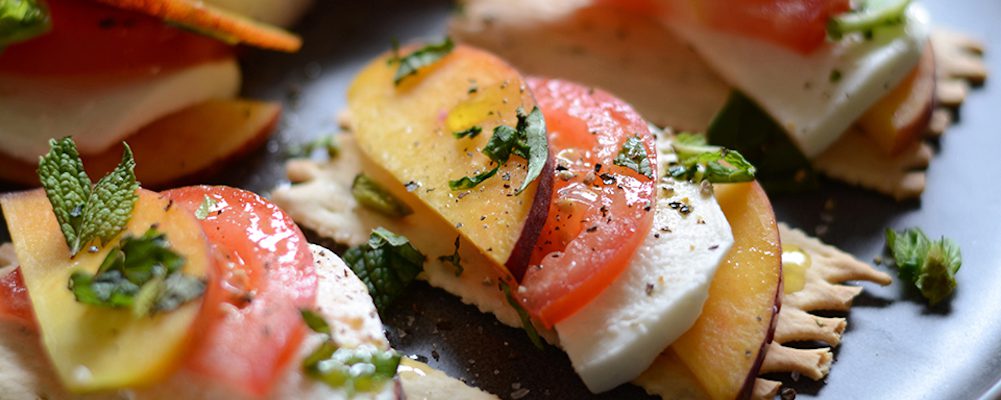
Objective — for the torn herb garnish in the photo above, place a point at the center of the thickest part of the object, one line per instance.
(527, 140)
(698, 162)
(472, 132)
(454, 259)
(373, 196)
(361, 369)
(423, 57)
(930, 266)
(526, 320)
(87, 212)
(634, 156)
(387, 264)
(22, 20)
(140, 273)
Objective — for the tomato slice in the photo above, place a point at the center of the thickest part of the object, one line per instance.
(267, 276)
(88, 38)
(14, 301)
(600, 212)
(799, 25)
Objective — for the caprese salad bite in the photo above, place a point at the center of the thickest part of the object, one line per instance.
(161, 73)
(648, 257)
(847, 88)
(201, 292)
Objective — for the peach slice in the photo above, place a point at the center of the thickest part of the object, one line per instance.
(215, 22)
(180, 147)
(407, 131)
(725, 347)
(94, 348)
(901, 117)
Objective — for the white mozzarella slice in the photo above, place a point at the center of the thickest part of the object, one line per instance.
(99, 113)
(817, 96)
(276, 12)
(658, 297)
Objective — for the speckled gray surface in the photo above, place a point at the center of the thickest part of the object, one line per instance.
(895, 346)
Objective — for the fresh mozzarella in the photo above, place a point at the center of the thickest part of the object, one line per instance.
(659, 296)
(817, 96)
(276, 12)
(342, 299)
(99, 113)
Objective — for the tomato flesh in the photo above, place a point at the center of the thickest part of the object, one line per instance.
(799, 25)
(14, 301)
(88, 38)
(267, 275)
(600, 212)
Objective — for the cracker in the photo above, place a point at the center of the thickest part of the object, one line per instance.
(421, 382)
(856, 159)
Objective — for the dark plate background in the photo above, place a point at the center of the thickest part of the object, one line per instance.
(895, 346)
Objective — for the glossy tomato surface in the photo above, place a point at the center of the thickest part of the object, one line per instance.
(600, 210)
(267, 276)
(88, 38)
(14, 301)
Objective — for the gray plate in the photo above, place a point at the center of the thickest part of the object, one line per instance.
(895, 347)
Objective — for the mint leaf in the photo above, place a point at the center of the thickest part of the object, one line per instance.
(140, 273)
(67, 186)
(373, 196)
(423, 57)
(111, 202)
(868, 16)
(527, 140)
(21, 20)
(315, 321)
(931, 266)
(387, 264)
(205, 208)
(743, 126)
(634, 156)
(362, 369)
(526, 320)
(327, 143)
(700, 162)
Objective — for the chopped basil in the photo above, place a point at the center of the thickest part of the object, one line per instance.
(454, 259)
(868, 16)
(205, 208)
(327, 143)
(387, 263)
(361, 369)
(472, 132)
(425, 56)
(142, 274)
(930, 266)
(526, 320)
(743, 126)
(699, 162)
(527, 140)
(373, 196)
(87, 212)
(634, 156)
(21, 20)
(469, 182)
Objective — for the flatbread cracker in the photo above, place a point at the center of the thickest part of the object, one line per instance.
(856, 159)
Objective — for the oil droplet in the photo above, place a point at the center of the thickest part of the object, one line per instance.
(795, 262)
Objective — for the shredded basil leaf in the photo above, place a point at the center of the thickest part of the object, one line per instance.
(698, 162)
(472, 132)
(527, 140)
(87, 212)
(327, 143)
(743, 126)
(634, 156)
(142, 274)
(526, 320)
(425, 56)
(388, 264)
(22, 20)
(373, 196)
(868, 16)
(454, 259)
(361, 369)
(930, 266)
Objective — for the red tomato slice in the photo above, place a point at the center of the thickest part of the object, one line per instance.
(800, 25)
(599, 215)
(88, 38)
(14, 301)
(267, 276)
